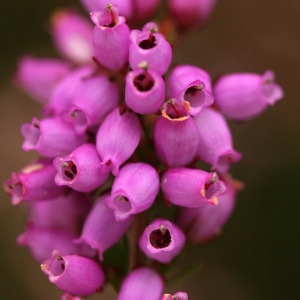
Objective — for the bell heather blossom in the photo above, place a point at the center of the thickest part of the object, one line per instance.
(110, 37)
(101, 230)
(134, 190)
(142, 283)
(192, 84)
(74, 274)
(242, 96)
(72, 35)
(144, 90)
(162, 240)
(191, 187)
(150, 46)
(38, 76)
(215, 142)
(35, 182)
(175, 135)
(117, 138)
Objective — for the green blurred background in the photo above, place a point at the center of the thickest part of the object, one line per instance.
(257, 257)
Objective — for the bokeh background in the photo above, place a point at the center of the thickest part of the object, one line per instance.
(257, 257)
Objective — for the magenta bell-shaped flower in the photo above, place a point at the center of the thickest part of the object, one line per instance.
(74, 274)
(101, 230)
(176, 296)
(50, 137)
(192, 12)
(65, 91)
(150, 46)
(38, 77)
(242, 96)
(110, 37)
(72, 35)
(191, 187)
(67, 211)
(42, 241)
(96, 96)
(215, 142)
(175, 135)
(144, 90)
(80, 170)
(205, 223)
(134, 190)
(117, 138)
(142, 283)
(162, 240)
(35, 182)
(192, 84)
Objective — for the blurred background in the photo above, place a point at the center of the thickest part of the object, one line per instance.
(257, 257)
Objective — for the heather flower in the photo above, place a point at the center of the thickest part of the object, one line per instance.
(96, 233)
(50, 137)
(144, 90)
(192, 84)
(175, 135)
(191, 187)
(150, 46)
(74, 274)
(81, 169)
(242, 96)
(117, 138)
(134, 190)
(205, 223)
(162, 240)
(215, 142)
(195, 12)
(142, 283)
(72, 35)
(39, 76)
(35, 182)
(110, 37)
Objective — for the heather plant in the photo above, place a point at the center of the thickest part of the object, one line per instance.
(134, 153)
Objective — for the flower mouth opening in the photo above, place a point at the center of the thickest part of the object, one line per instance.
(211, 189)
(143, 82)
(174, 110)
(149, 43)
(122, 204)
(57, 266)
(16, 189)
(78, 118)
(160, 238)
(195, 95)
(69, 170)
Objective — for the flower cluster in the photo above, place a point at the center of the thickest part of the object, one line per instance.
(121, 134)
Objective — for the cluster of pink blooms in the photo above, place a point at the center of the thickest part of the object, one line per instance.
(121, 133)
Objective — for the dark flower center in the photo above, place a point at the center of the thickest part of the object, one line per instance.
(160, 238)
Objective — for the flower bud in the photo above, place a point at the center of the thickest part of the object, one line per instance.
(35, 182)
(242, 96)
(215, 142)
(191, 187)
(144, 91)
(150, 46)
(192, 84)
(134, 190)
(38, 77)
(110, 37)
(96, 96)
(191, 13)
(162, 241)
(81, 169)
(175, 135)
(142, 283)
(72, 35)
(204, 223)
(50, 137)
(67, 211)
(101, 230)
(117, 138)
(74, 274)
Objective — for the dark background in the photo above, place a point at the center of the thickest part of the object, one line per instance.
(257, 257)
